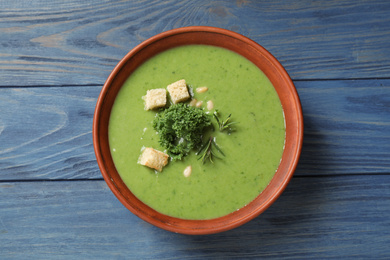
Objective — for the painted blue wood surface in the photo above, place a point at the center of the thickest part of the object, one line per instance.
(54, 59)
(315, 218)
(79, 42)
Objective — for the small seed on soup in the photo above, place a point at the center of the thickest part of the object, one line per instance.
(202, 89)
(210, 105)
(193, 102)
(199, 103)
(187, 171)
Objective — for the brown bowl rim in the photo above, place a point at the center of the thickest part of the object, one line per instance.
(294, 130)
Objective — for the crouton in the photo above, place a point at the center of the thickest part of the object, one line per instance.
(155, 98)
(178, 91)
(153, 159)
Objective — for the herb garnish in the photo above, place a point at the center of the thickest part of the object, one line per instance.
(222, 125)
(208, 151)
(181, 129)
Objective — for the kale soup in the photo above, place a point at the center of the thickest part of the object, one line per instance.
(234, 150)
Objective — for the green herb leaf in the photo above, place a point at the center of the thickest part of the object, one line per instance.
(207, 151)
(225, 124)
(181, 129)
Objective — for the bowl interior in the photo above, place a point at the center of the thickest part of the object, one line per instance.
(209, 36)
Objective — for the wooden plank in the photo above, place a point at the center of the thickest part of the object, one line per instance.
(79, 42)
(45, 133)
(347, 127)
(317, 217)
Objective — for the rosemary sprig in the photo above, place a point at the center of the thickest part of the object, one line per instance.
(224, 124)
(207, 150)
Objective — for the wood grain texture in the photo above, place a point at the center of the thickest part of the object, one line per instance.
(79, 42)
(46, 133)
(315, 218)
(54, 59)
(347, 127)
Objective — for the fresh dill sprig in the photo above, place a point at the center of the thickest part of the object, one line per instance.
(207, 150)
(224, 124)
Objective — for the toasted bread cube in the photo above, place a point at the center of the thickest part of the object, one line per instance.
(178, 91)
(153, 159)
(155, 98)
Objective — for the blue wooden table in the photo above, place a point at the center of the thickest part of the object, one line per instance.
(54, 59)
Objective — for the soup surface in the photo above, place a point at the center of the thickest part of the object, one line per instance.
(252, 151)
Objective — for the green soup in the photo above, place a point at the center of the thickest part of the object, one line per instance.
(252, 152)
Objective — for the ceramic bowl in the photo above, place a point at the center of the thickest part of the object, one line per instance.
(210, 36)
